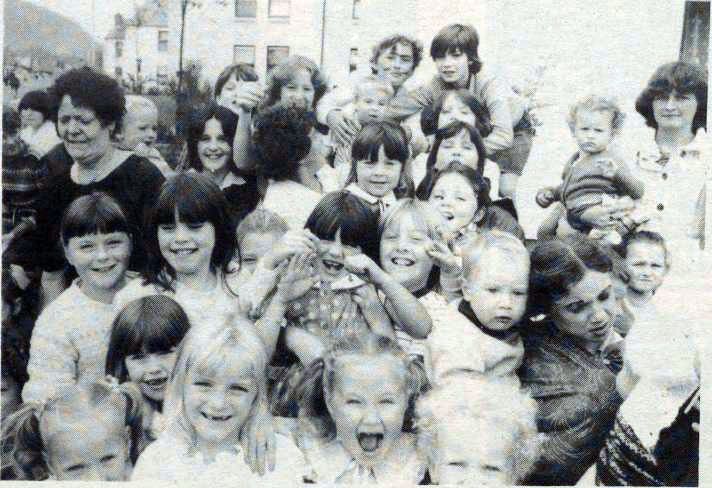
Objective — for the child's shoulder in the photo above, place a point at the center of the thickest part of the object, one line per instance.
(135, 289)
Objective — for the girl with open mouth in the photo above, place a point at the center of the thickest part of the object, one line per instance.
(359, 399)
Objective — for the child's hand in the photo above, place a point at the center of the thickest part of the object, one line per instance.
(297, 277)
(545, 197)
(366, 297)
(362, 265)
(607, 167)
(258, 441)
(291, 244)
(143, 150)
(444, 257)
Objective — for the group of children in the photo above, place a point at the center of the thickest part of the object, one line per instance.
(365, 343)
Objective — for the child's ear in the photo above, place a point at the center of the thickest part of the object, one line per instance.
(479, 215)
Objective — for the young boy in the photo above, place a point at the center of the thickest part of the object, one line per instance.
(482, 336)
(595, 175)
(139, 130)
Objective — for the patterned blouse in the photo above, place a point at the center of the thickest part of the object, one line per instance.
(575, 390)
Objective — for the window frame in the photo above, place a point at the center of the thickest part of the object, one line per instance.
(252, 47)
(247, 17)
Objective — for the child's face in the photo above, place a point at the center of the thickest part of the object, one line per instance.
(645, 265)
(229, 91)
(331, 258)
(370, 105)
(455, 199)
(88, 450)
(214, 150)
(396, 64)
(218, 405)
(454, 67)
(100, 260)
(457, 149)
(187, 247)
(368, 403)
(151, 371)
(404, 256)
(497, 289)
(139, 127)
(254, 246)
(593, 131)
(31, 118)
(454, 109)
(9, 396)
(378, 178)
(459, 461)
(299, 90)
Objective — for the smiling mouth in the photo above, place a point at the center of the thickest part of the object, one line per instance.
(402, 261)
(184, 252)
(332, 266)
(370, 441)
(216, 418)
(156, 383)
(104, 269)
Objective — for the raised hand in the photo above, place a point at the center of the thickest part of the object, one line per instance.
(545, 197)
(297, 277)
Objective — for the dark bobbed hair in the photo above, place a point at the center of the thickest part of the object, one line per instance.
(281, 140)
(96, 213)
(479, 184)
(11, 122)
(458, 37)
(430, 115)
(557, 265)
(242, 72)
(196, 199)
(196, 126)
(450, 130)
(342, 211)
(37, 100)
(151, 324)
(285, 71)
(91, 90)
(392, 138)
(391, 42)
(683, 78)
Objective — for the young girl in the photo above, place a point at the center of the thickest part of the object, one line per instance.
(502, 416)
(338, 302)
(378, 174)
(88, 433)
(71, 335)
(457, 142)
(356, 407)
(216, 390)
(191, 242)
(142, 348)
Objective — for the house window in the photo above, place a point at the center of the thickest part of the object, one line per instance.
(244, 54)
(353, 59)
(356, 11)
(246, 8)
(275, 54)
(162, 75)
(163, 41)
(119, 48)
(279, 8)
(118, 72)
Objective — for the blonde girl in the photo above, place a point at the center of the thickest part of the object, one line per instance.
(355, 409)
(87, 433)
(217, 390)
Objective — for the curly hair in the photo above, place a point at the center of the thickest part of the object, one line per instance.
(91, 90)
(285, 71)
(392, 41)
(597, 103)
(679, 77)
(281, 140)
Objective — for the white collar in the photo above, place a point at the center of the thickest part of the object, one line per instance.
(649, 157)
(388, 199)
(231, 179)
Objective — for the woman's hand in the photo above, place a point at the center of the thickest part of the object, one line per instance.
(344, 128)
(259, 442)
(247, 96)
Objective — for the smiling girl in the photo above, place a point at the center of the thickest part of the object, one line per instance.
(71, 335)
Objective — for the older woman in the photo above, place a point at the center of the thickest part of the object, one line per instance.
(88, 106)
(570, 359)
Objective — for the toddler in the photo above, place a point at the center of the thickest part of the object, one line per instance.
(595, 175)
(507, 442)
(139, 129)
(87, 433)
(482, 335)
(356, 406)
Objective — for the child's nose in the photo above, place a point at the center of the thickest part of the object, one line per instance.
(372, 417)
(217, 399)
(181, 232)
(101, 252)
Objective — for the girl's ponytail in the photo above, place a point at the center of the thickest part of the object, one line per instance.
(21, 443)
(127, 397)
(311, 398)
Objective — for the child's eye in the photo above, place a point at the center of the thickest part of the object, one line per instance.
(65, 119)
(489, 467)
(202, 383)
(492, 289)
(575, 307)
(115, 242)
(604, 296)
(167, 227)
(239, 388)
(196, 225)
(352, 401)
(108, 458)
(387, 401)
(136, 357)
(86, 247)
(457, 464)
(74, 468)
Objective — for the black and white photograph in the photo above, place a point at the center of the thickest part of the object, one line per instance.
(397, 242)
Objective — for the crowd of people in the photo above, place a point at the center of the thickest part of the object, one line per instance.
(331, 284)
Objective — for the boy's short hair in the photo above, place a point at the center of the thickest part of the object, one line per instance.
(242, 72)
(647, 237)
(458, 37)
(392, 41)
(37, 100)
(134, 103)
(488, 240)
(372, 82)
(597, 103)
